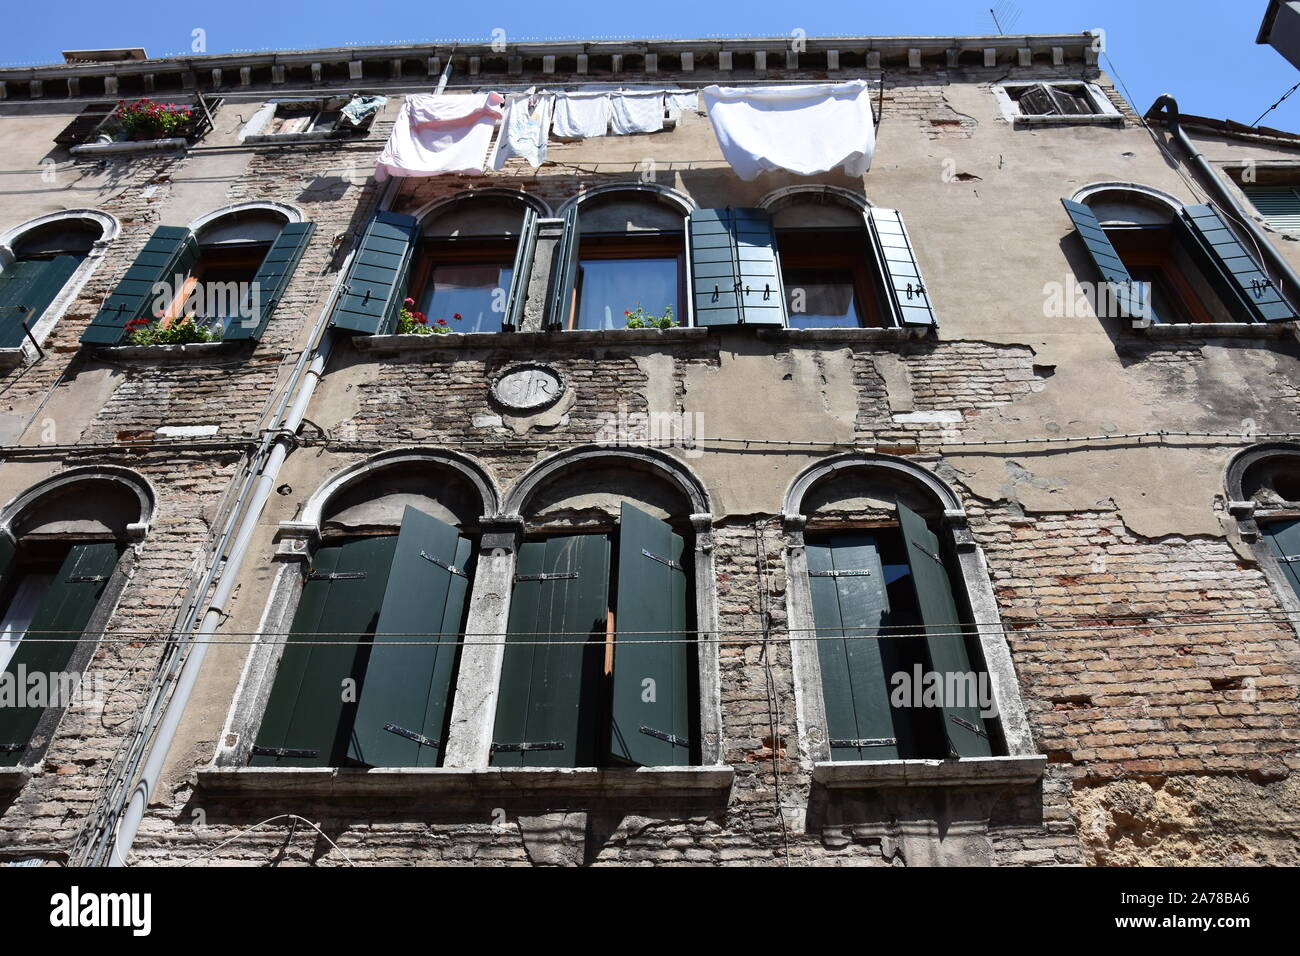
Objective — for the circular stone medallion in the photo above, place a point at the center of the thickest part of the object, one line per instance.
(528, 387)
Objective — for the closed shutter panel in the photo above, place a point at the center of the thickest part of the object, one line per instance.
(564, 273)
(307, 721)
(849, 601)
(1238, 276)
(7, 551)
(376, 284)
(409, 681)
(87, 122)
(55, 630)
(1122, 289)
(1279, 205)
(735, 273)
(26, 290)
(945, 644)
(1284, 541)
(900, 271)
(170, 251)
(272, 279)
(520, 270)
(651, 722)
(548, 708)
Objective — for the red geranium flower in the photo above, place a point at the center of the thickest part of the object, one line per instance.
(442, 321)
(408, 302)
(456, 316)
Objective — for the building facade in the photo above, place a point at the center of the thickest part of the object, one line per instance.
(941, 547)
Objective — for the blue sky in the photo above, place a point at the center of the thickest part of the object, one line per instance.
(1202, 51)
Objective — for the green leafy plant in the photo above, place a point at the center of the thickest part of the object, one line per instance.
(145, 119)
(413, 322)
(639, 318)
(178, 331)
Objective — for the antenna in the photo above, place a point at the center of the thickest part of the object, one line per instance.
(1004, 15)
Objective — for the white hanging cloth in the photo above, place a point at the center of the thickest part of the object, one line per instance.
(681, 103)
(437, 134)
(636, 112)
(581, 115)
(525, 129)
(804, 128)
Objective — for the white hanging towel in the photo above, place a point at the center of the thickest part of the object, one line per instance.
(682, 103)
(805, 128)
(636, 112)
(581, 115)
(440, 134)
(525, 129)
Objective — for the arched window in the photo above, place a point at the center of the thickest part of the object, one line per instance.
(602, 666)
(622, 258)
(889, 586)
(227, 272)
(368, 671)
(1167, 263)
(43, 264)
(1264, 492)
(60, 545)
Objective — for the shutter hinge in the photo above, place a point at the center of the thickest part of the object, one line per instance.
(547, 576)
(844, 573)
(963, 722)
(336, 575)
(525, 747)
(866, 742)
(412, 735)
(442, 564)
(668, 561)
(918, 290)
(283, 752)
(87, 579)
(662, 735)
(933, 557)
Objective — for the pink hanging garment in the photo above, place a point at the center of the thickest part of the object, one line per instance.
(436, 134)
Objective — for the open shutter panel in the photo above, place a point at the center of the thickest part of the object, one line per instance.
(409, 679)
(272, 279)
(849, 602)
(735, 274)
(307, 719)
(1124, 292)
(564, 273)
(376, 284)
(547, 710)
(651, 721)
(56, 628)
(26, 290)
(1279, 205)
(170, 251)
(944, 641)
(1284, 541)
(87, 122)
(1240, 277)
(520, 270)
(900, 271)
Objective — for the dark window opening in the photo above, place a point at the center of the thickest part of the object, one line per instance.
(829, 282)
(1160, 256)
(619, 275)
(1044, 100)
(463, 284)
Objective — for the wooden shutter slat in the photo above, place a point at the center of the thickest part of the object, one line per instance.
(86, 123)
(1240, 278)
(847, 612)
(900, 271)
(306, 710)
(735, 271)
(564, 273)
(272, 278)
(944, 640)
(376, 282)
(1120, 282)
(650, 610)
(550, 687)
(408, 683)
(26, 296)
(170, 251)
(520, 270)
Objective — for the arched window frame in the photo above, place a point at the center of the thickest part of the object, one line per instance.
(1248, 516)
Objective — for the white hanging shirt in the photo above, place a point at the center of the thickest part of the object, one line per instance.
(437, 134)
(525, 129)
(581, 115)
(804, 128)
(636, 112)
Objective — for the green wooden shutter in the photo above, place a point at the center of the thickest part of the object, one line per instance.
(520, 270)
(849, 601)
(735, 273)
(376, 283)
(1126, 295)
(170, 251)
(272, 278)
(86, 123)
(26, 290)
(1279, 205)
(1283, 539)
(409, 684)
(307, 722)
(1234, 270)
(548, 707)
(900, 271)
(8, 549)
(564, 273)
(944, 641)
(651, 723)
(56, 628)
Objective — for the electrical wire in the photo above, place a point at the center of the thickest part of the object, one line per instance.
(257, 826)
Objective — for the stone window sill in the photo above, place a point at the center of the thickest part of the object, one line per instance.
(13, 779)
(290, 139)
(1217, 330)
(199, 349)
(701, 784)
(970, 772)
(1087, 119)
(523, 340)
(142, 146)
(892, 334)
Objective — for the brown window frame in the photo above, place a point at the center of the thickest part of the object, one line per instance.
(1151, 248)
(250, 256)
(660, 245)
(808, 249)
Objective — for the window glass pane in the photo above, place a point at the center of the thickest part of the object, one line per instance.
(474, 292)
(821, 299)
(609, 288)
(221, 293)
(17, 618)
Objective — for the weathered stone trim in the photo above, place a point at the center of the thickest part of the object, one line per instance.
(968, 771)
